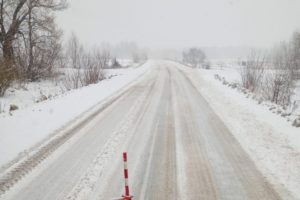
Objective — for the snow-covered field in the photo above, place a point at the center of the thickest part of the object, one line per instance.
(27, 94)
(270, 140)
(46, 106)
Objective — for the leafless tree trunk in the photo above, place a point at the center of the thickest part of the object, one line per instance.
(10, 30)
(7, 73)
(30, 40)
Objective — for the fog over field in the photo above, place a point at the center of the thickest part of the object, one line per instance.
(182, 23)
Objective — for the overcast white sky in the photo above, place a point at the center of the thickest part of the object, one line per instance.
(182, 23)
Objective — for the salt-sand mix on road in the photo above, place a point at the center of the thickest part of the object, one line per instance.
(178, 148)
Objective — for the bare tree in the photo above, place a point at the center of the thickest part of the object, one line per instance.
(253, 71)
(86, 67)
(74, 52)
(74, 56)
(278, 87)
(13, 16)
(295, 54)
(93, 72)
(194, 56)
(103, 57)
(278, 84)
(29, 37)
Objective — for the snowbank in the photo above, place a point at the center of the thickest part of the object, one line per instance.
(34, 122)
(26, 94)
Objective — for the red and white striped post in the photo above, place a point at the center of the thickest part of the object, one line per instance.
(127, 195)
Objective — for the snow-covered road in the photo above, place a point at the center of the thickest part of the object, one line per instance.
(178, 148)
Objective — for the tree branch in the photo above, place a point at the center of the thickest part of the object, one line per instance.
(18, 8)
(2, 22)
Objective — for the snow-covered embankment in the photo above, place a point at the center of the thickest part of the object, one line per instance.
(29, 126)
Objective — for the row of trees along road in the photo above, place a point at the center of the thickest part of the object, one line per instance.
(29, 39)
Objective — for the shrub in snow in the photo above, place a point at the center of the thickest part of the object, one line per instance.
(42, 98)
(278, 87)
(233, 85)
(225, 82)
(218, 77)
(296, 122)
(285, 114)
(278, 83)
(115, 63)
(260, 100)
(13, 107)
(206, 65)
(253, 71)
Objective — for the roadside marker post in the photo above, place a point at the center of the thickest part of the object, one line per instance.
(127, 195)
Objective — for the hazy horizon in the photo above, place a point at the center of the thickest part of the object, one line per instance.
(182, 23)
